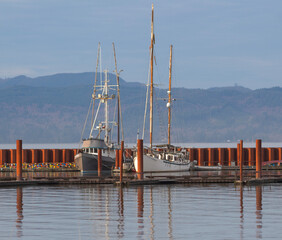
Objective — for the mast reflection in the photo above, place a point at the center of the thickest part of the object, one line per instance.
(19, 211)
(169, 215)
(152, 228)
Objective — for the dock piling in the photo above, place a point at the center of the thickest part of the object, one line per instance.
(238, 154)
(99, 167)
(117, 159)
(241, 158)
(19, 160)
(121, 161)
(140, 158)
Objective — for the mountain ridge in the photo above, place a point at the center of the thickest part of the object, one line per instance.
(52, 109)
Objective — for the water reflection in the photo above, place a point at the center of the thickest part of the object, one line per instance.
(140, 211)
(151, 216)
(120, 231)
(241, 211)
(19, 220)
(259, 211)
(169, 214)
(143, 212)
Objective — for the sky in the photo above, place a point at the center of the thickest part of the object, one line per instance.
(216, 43)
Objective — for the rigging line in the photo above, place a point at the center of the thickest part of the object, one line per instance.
(179, 126)
(162, 134)
(94, 122)
(95, 119)
(101, 72)
(161, 126)
(114, 117)
(147, 94)
(91, 101)
(121, 123)
(118, 97)
(95, 83)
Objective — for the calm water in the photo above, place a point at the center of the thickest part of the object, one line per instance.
(147, 212)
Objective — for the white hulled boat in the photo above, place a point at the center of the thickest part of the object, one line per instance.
(165, 158)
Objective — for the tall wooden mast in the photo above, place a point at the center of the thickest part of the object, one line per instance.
(118, 97)
(169, 96)
(151, 86)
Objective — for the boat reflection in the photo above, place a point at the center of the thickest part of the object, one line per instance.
(19, 221)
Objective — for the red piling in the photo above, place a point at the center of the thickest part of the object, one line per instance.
(55, 153)
(231, 156)
(201, 156)
(139, 169)
(238, 154)
(117, 159)
(251, 157)
(64, 156)
(19, 160)
(1, 157)
(44, 155)
(121, 161)
(191, 155)
(221, 156)
(99, 167)
(13, 153)
(211, 157)
(279, 153)
(241, 158)
(258, 158)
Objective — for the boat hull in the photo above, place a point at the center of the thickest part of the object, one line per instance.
(152, 164)
(89, 162)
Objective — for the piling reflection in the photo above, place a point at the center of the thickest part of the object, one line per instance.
(259, 211)
(140, 211)
(120, 232)
(241, 212)
(19, 220)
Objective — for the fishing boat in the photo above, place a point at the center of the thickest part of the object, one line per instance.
(164, 158)
(87, 157)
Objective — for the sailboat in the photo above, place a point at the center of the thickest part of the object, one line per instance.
(166, 157)
(87, 157)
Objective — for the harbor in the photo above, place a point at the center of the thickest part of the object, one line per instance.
(169, 129)
(237, 171)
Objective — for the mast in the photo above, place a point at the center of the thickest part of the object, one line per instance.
(118, 97)
(169, 97)
(151, 86)
(106, 108)
(95, 83)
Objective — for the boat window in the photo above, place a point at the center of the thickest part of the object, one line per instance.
(95, 150)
